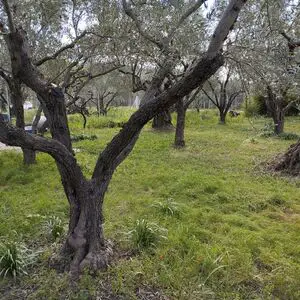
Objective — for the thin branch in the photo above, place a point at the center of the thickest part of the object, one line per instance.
(210, 98)
(62, 49)
(129, 12)
(185, 15)
(193, 97)
(11, 25)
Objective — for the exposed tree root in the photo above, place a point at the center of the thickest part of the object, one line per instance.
(287, 163)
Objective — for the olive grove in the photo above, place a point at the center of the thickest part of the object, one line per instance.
(85, 242)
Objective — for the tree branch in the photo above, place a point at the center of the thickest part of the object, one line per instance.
(129, 12)
(189, 12)
(62, 49)
(19, 137)
(210, 98)
(11, 25)
(197, 76)
(225, 25)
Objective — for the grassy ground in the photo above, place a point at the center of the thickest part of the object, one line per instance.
(227, 228)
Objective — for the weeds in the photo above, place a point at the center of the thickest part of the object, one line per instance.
(168, 207)
(53, 226)
(145, 235)
(15, 259)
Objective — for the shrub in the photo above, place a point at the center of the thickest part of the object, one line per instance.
(15, 259)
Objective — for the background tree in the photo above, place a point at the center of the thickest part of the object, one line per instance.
(223, 92)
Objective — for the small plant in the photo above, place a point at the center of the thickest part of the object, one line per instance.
(276, 200)
(168, 207)
(267, 130)
(82, 137)
(288, 136)
(15, 259)
(145, 235)
(54, 227)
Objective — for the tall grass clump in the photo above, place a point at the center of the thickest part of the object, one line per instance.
(15, 259)
(145, 235)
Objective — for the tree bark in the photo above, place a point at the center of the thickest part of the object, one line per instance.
(163, 121)
(180, 124)
(278, 119)
(275, 107)
(29, 156)
(85, 238)
(222, 117)
(289, 162)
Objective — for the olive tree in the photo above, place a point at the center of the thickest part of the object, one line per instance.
(85, 241)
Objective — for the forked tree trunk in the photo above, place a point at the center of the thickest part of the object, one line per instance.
(85, 237)
(180, 124)
(85, 241)
(163, 121)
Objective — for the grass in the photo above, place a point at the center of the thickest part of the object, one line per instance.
(236, 237)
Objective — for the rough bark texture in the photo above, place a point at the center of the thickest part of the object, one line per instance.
(276, 108)
(180, 124)
(163, 121)
(289, 162)
(222, 117)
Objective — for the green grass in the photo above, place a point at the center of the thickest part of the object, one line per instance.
(236, 237)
